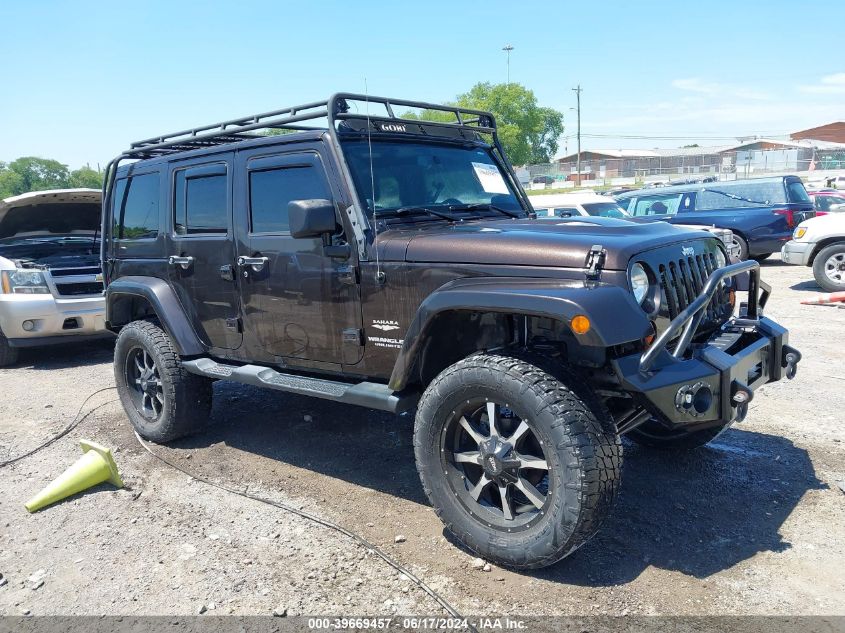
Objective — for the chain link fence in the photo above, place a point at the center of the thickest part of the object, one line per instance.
(687, 164)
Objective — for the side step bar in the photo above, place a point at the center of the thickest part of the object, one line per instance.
(365, 394)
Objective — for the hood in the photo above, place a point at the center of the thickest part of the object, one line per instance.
(561, 243)
(59, 212)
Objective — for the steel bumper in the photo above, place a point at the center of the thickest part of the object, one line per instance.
(711, 382)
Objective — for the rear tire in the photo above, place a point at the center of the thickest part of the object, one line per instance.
(763, 257)
(829, 267)
(8, 354)
(556, 470)
(740, 242)
(654, 435)
(161, 399)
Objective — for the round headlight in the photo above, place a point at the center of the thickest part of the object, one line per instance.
(639, 282)
(721, 260)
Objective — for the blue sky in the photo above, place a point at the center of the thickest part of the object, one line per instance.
(84, 78)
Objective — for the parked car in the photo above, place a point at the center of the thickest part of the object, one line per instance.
(820, 243)
(828, 201)
(543, 180)
(51, 286)
(526, 348)
(564, 205)
(762, 212)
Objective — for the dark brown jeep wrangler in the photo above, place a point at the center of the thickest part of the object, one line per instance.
(391, 261)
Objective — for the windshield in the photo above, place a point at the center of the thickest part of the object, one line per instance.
(605, 209)
(411, 175)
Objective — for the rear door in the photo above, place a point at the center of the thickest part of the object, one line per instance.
(201, 249)
(298, 303)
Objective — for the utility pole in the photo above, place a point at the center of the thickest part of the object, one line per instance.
(508, 48)
(578, 110)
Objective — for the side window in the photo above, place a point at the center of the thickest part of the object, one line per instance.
(796, 192)
(666, 204)
(822, 203)
(566, 212)
(200, 204)
(136, 207)
(270, 191)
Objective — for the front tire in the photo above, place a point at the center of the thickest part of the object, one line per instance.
(532, 486)
(654, 435)
(161, 399)
(8, 354)
(829, 267)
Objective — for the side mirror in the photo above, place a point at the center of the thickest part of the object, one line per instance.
(311, 218)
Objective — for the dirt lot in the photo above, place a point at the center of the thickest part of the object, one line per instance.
(751, 525)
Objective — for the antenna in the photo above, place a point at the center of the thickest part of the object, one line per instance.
(379, 273)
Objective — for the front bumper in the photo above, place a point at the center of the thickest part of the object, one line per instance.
(715, 382)
(797, 252)
(50, 320)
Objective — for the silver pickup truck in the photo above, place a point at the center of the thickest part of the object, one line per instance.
(51, 285)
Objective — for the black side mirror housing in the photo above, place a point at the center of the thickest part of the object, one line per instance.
(311, 218)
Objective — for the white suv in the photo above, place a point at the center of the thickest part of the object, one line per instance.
(51, 285)
(820, 243)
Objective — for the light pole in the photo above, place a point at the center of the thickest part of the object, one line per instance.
(578, 110)
(508, 48)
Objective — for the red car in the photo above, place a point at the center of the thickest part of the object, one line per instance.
(824, 199)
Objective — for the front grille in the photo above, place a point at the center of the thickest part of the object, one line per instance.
(682, 280)
(70, 272)
(80, 288)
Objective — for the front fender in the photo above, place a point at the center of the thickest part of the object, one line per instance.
(164, 303)
(614, 314)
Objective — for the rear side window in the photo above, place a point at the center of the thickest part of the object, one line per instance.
(796, 191)
(200, 205)
(270, 191)
(136, 202)
(744, 195)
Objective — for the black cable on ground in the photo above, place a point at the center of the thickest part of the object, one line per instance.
(74, 423)
(360, 540)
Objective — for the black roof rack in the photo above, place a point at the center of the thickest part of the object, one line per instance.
(338, 108)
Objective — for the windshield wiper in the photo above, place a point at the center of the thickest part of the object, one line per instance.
(764, 203)
(438, 214)
(484, 205)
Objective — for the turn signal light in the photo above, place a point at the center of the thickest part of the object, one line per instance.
(580, 324)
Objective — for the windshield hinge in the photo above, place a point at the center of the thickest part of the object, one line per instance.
(595, 260)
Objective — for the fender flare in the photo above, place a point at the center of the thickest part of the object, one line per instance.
(614, 314)
(166, 305)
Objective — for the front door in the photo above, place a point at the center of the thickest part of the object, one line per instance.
(298, 303)
(202, 252)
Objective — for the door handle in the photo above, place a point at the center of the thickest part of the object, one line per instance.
(257, 263)
(184, 262)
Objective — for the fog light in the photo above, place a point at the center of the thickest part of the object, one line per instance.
(28, 325)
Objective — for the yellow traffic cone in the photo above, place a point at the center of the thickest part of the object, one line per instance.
(94, 467)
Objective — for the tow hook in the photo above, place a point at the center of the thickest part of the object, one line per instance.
(790, 360)
(741, 395)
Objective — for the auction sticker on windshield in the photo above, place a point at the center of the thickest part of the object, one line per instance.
(490, 178)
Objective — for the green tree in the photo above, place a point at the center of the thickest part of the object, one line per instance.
(30, 173)
(529, 133)
(86, 178)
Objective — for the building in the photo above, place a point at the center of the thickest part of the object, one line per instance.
(832, 133)
(744, 159)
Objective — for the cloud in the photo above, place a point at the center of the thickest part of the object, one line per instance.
(715, 89)
(829, 85)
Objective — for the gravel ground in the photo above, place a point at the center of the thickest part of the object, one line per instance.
(752, 524)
